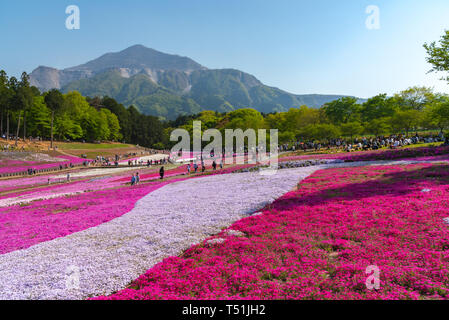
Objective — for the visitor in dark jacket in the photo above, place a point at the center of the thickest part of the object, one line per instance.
(161, 172)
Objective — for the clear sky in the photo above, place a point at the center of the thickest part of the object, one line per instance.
(319, 46)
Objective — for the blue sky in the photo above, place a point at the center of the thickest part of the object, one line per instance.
(319, 46)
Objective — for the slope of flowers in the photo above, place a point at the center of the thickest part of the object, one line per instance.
(316, 243)
(424, 154)
(62, 209)
(22, 226)
(421, 154)
(10, 166)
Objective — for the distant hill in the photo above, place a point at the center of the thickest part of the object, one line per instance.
(168, 85)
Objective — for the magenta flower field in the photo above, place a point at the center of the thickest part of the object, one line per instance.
(316, 243)
(421, 153)
(81, 205)
(26, 225)
(11, 166)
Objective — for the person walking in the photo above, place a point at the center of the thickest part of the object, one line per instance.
(133, 180)
(161, 172)
(137, 178)
(221, 164)
(195, 166)
(203, 168)
(188, 169)
(214, 165)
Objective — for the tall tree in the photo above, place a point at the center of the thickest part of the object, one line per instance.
(437, 113)
(24, 100)
(54, 101)
(406, 120)
(39, 117)
(351, 129)
(414, 98)
(12, 100)
(377, 107)
(342, 110)
(5, 94)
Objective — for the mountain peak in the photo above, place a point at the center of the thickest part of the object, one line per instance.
(136, 46)
(139, 57)
(130, 61)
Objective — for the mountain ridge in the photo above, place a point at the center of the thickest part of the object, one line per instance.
(168, 85)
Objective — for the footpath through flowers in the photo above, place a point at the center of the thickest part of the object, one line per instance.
(307, 232)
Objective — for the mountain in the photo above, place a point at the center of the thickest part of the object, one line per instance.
(133, 60)
(168, 85)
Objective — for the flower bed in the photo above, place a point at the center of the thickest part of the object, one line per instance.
(316, 243)
(424, 154)
(26, 225)
(23, 166)
(421, 154)
(37, 215)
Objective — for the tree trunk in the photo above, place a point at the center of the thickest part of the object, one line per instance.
(51, 134)
(7, 126)
(1, 122)
(24, 126)
(17, 135)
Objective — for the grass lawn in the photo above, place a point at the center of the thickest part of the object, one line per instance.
(419, 145)
(91, 146)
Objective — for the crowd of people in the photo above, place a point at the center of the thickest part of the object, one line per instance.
(195, 166)
(359, 144)
(149, 162)
(106, 162)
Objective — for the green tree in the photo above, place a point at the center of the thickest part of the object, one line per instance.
(438, 54)
(54, 101)
(11, 100)
(209, 119)
(351, 129)
(276, 121)
(406, 120)
(39, 118)
(414, 98)
(112, 124)
(297, 118)
(286, 136)
(437, 114)
(67, 128)
(379, 126)
(24, 100)
(327, 131)
(342, 110)
(81, 114)
(377, 107)
(5, 96)
(321, 132)
(245, 119)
